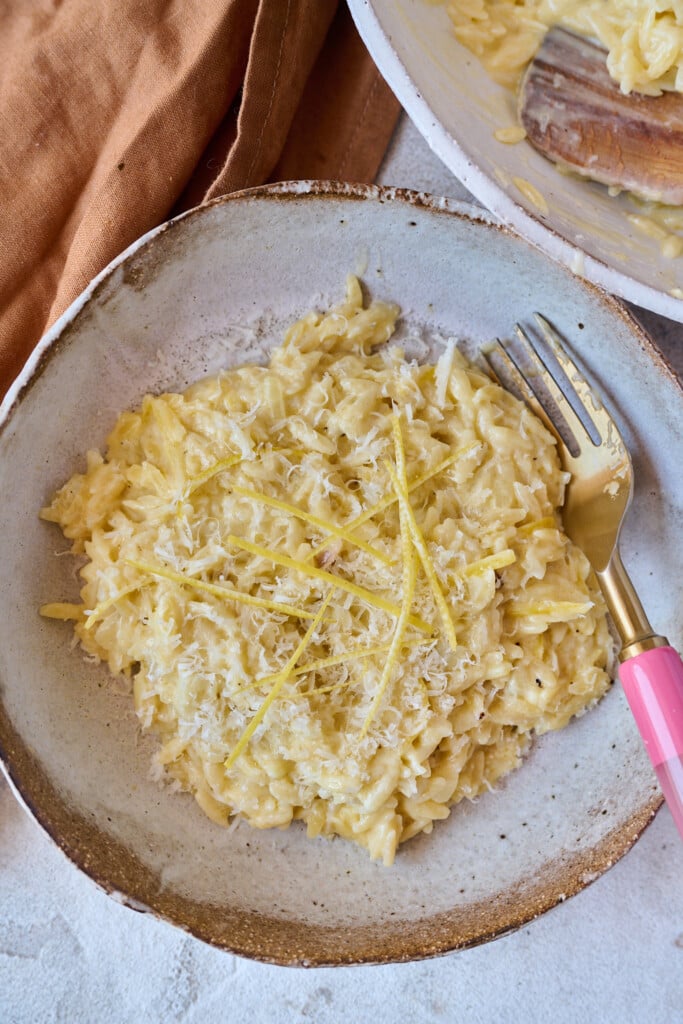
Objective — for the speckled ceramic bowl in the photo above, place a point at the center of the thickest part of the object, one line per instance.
(457, 108)
(212, 289)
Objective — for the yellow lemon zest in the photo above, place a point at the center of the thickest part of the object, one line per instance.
(409, 577)
(201, 478)
(279, 683)
(413, 484)
(496, 561)
(307, 517)
(547, 523)
(376, 600)
(556, 611)
(104, 606)
(416, 536)
(357, 654)
(218, 591)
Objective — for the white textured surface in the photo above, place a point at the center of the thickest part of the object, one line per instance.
(612, 954)
(68, 953)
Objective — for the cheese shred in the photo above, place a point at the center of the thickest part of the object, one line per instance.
(398, 479)
(323, 524)
(409, 576)
(280, 679)
(377, 600)
(218, 590)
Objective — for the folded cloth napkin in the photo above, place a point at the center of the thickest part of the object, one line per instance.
(114, 116)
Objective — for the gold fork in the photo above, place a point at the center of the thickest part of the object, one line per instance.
(597, 498)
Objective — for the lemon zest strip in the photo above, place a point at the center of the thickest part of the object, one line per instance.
(389, 500)
(232, 460)
(418, 542)
(398, 479)
(201, 478)
(413, 484)
(347, 682)
(308, 517)
(547, 523)
(496, 561)
(355, 654)
(103, 606)
(218, 591)
(409, 578)
(559, 611)
(376, 600)
(277, 686)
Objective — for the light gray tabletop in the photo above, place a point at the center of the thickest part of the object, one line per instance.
(611, 955)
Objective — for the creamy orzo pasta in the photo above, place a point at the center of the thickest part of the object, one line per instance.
(339, 582)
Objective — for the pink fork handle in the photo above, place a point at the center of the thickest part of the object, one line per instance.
(653, 684)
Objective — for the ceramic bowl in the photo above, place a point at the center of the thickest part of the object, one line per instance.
(457, 108)
(212, 289)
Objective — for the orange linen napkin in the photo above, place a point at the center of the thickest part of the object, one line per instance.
(113, 116)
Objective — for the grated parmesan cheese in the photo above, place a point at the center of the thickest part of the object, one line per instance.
(339, 582)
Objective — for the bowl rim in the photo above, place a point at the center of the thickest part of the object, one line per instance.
(486, 189)
(574, 876)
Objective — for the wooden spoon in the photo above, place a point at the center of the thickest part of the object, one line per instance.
(576, 115)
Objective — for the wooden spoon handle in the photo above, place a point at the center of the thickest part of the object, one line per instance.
(576, 115)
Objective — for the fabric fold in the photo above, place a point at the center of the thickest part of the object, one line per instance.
(285, 44)
(115, 116)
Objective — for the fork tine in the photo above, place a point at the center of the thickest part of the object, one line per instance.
(573, 422)
(570, 368)
(601, 419)
(519, 381)
(485, 353)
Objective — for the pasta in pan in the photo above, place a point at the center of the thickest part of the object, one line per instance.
(338, 582)
(644, 44)
(644, 38)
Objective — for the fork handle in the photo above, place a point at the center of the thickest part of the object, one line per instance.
(653, 684)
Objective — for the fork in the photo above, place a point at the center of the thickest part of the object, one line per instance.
(597, 498)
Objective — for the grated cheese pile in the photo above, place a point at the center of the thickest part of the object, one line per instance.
(339, 582)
